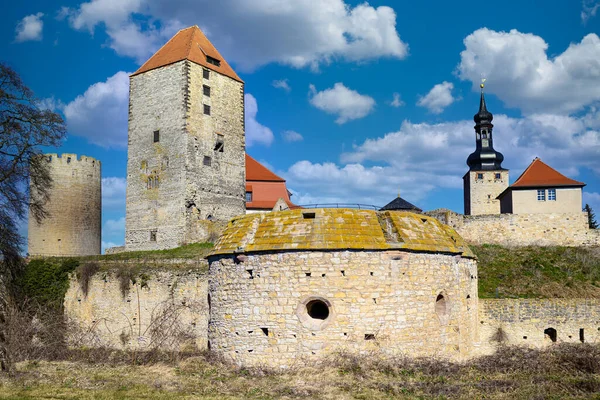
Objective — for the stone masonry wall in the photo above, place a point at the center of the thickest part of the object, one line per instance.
(73, 227)
(522, 229)
(523, 321)
(480, 194)
(377, 300)
(165, 308)
(218, 190)
(177, 186)
(156, 103)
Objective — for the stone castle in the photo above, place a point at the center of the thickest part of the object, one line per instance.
(292, 285)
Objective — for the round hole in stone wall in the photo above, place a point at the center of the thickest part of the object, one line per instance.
(317, 309)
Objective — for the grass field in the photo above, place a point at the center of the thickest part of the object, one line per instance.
(562, 371)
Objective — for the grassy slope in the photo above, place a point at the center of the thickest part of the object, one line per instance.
(562, 371)
(538, 272)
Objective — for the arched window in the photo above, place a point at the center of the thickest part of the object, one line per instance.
(551, 332)
(441, 308)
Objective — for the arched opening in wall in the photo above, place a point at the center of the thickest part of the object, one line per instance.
(468, 302)
(317, 309)
(209, 305)
(551, 332)
(441, 308)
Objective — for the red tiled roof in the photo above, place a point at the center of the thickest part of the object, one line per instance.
(255, 171)
(539, 174)
(188, 44)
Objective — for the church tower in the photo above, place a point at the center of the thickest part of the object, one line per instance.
(486, 178)
(186, 144)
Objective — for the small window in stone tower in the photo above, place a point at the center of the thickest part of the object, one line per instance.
(213, 61)
(156, 136)
(497, 176)
(206, 109)
(68, 160)
(220, 144)
(479, 176)
(206, 90)
(153, 236)
(205, 73)
(207, 161)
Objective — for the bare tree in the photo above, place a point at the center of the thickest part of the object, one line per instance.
(24, 128)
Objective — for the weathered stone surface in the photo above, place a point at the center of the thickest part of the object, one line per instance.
(382, 300)
(73, 227)
(480, 194)
(162, 310)
(523, 321)
(178, 185)
(568, 229)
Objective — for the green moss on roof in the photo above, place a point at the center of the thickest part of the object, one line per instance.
(339, 229)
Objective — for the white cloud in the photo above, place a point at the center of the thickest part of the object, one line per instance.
(100, 114)
(299, 33)
(347, 104)
(113, 193)
(114, 227)
(282, 84)
(438, 98)
(589, 9)
(520, 73)
(30, 28)
(292, 136)
(397, 101)
(255, 132)
(434, 156)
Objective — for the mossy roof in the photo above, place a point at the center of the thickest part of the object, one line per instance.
(339, 229)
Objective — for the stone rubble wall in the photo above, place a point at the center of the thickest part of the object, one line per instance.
(523, 321)
(166, 308)
(379, 300)
(73, 227)
(569, 229)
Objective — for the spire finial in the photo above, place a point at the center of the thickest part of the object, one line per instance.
(482, 84)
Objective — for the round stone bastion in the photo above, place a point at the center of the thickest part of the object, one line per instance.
(290, 286)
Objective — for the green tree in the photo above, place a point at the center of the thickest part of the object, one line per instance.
(25, 181)
(591, 217)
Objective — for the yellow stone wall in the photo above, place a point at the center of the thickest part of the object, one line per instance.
(523, 321)
(379, 300)
(164, 309)
(568, 200)
(73, 227)
(480, 194)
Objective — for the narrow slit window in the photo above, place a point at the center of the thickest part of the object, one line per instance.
(220, 144)
(156, 136)
(153, 236)
(206, 109)
(206, 90)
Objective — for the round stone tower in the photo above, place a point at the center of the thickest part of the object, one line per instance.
(297, 284)
(73, 227)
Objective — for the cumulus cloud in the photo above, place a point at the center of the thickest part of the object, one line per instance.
(255, 131)
(292, 136)
(520, 73)
(372, 171)
(282, 84)
(347, 104)
(100, 114)
(114, 228)
(397, 101)
(438, 98)
(30, 28)
(113, 193)
(250, 34)
(589, 9)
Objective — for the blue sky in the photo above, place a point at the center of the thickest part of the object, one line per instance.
(349, 101)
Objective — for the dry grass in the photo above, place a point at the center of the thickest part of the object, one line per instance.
(562, 371)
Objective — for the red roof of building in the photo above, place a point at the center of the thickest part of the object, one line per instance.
(267, 204)
(539, 174)
(188, 44)
(255, 171)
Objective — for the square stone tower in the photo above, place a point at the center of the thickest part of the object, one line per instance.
(486, 178)
(186, 145)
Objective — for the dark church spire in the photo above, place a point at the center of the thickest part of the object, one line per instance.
(484, 157)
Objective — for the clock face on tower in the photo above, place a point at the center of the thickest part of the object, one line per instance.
(485, 142)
